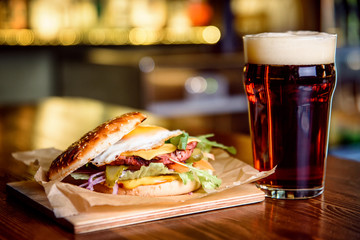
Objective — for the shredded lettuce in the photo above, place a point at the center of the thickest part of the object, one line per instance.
(206, 179)
(205, 144)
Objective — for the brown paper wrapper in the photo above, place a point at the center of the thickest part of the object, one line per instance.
(67, 199)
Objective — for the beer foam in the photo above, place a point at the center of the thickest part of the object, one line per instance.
(290, 48)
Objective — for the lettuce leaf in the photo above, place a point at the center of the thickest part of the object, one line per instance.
(186, 177)
(205, 144)
(180, 141)
(154, 169)
(206, 178)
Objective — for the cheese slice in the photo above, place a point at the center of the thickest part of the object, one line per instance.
(130, 184)
(150, 154)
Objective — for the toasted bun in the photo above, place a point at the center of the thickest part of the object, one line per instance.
(172, 188)
(92, 144)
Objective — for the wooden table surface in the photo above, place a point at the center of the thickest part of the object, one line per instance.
(333, 215)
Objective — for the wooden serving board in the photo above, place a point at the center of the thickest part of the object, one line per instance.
(104, 217)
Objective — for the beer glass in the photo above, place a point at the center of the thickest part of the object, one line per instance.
(289, 79)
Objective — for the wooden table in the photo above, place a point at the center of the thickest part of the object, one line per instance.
(333, 215)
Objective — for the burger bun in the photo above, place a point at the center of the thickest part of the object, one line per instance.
(176, 187)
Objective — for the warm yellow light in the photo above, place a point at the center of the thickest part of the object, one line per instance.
(197, 35)
(148, 14)
(120, 37)
(170, 36)
(211, 34)
(2, 36)
(10, 37)
(96, 37)
(143, 36)
(178, 35)
(39, 41)
(25, 37)
(108, 36)
(68, 37)
(46, 22)
(138, 36)
(108, 33)
(154, 36)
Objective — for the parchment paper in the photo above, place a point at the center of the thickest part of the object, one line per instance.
(67, 199)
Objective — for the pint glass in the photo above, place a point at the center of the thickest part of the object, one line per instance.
(289, 80)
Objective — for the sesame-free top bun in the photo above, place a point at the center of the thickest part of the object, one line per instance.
(92, 144)
(172, 188)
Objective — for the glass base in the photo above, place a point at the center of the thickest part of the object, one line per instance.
(280, 193)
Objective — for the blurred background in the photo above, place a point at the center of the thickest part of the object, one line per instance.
(177, 59)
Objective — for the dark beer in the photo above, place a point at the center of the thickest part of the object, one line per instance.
(289, 108)
(289, 80)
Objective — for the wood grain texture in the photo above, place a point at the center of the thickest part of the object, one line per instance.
(333, 215)
(105, 217)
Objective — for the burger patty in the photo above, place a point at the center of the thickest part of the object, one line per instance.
(135, 162)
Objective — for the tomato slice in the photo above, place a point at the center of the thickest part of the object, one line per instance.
(202, 164)
(178, 168)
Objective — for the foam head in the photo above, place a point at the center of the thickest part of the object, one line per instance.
(290, 48)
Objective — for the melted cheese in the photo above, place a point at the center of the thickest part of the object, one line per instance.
(150, 154)
(130, 184)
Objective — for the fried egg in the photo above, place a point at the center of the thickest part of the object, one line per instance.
(143, 137)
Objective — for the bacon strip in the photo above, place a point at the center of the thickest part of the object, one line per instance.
(135, 162)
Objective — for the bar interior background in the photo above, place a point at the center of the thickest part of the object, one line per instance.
(181, 59)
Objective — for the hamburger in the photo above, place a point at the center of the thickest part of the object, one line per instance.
(123, 156)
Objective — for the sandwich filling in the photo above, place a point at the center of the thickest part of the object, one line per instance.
(151, 155)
